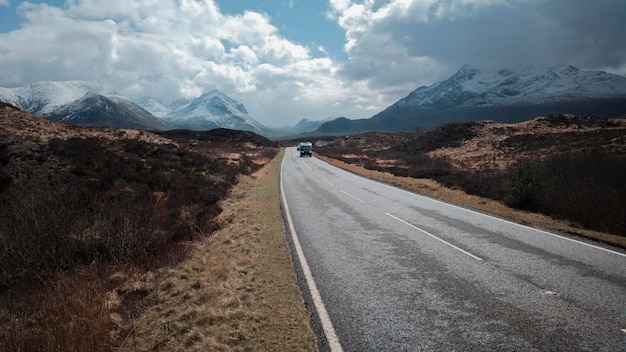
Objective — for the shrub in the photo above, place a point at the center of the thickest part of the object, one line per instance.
(526, 186)
(68, 316)
(5, 179)
(96, 200)
(586, 189)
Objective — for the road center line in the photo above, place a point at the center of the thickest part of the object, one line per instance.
(435, 237)
(327, 325)
(325, 180)
(501, 220)
(489, 216)
(351, 196)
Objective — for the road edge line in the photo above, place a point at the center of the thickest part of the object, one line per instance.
(327, 325)
(539, 230)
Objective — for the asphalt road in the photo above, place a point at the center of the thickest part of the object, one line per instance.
(394, 271)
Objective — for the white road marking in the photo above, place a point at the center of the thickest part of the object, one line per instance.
(491, 216)
(435, 237)
(351, 196)
(327, 325)
(305, 164)
(325, 180)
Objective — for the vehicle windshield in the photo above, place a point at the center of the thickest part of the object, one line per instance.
(305, 148)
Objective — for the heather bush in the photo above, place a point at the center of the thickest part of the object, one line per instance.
(77, 215)
(586, 189)
(104, 201)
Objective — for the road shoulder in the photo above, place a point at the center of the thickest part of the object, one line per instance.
(239, 290)
(435, 190)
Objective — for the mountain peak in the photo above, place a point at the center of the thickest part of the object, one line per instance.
(213, 93)
(468, 69)
(465, 73)
(532, 85)
(216, 102)
(214, 109)
(44, 97)
(504, 95)
(94, 109)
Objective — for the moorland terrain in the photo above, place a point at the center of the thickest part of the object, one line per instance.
(564, 166)
(123, 239)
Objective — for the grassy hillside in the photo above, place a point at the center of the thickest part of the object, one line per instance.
(93, 221)
(567, 167)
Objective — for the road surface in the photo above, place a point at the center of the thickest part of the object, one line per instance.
(389, 270)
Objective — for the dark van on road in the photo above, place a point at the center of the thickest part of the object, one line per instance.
(305, 148)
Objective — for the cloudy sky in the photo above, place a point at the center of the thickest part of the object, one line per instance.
(291, 59)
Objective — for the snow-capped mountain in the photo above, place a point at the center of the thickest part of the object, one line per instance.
(159, 108)
(153, 106)
(471, 87)
(506, 96)
(99, 110)
(44, 97)
(213, 110)
(81, 103)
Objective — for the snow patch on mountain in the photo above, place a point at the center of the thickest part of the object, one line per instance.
(94, 109)
(154, 106)
(44, 97)
(533, 85)
(211, 110)
(505, 95)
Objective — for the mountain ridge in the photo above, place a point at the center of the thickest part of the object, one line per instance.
(99, 110)
(69, 101)
(46, 96)
(214, 109)
(505, 96)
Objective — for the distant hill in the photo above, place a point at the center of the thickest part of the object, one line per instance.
(81, 103)
(113, 111)
(504, 96)
(44, 97)
(212, 110)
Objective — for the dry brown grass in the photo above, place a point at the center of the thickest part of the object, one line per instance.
(68, 315)
(434, 189)
(499, 145)
(230, 290)
(26, 126)
(238, 290)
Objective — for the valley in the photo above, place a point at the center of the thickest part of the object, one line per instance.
(121, 239)
(151, 225)
(156, 227)
(469, 95)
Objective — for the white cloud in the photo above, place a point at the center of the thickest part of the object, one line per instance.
(171, 49)
(182, 48)
(402, 42)
(4, 3)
